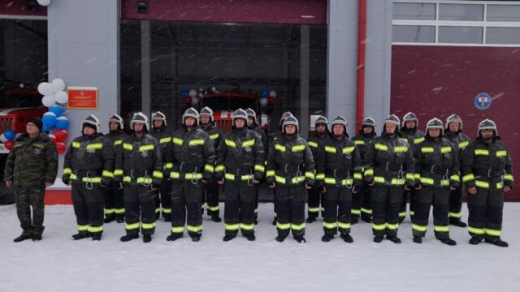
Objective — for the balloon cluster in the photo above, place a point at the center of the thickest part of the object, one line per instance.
(268, 97)
(54, 92)
(8, 138)
(191, 97)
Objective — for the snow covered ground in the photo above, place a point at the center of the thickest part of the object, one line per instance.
(58, 263)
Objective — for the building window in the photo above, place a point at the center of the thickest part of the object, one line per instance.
(503, 35)
(461, 12)
(413, 33)
(422, 11)
(460, 34)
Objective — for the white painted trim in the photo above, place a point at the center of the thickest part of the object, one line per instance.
(456, 45)
(455, 2)
(25, 17)
(455, 23)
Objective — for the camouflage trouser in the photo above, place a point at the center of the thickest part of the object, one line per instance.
(25, 198)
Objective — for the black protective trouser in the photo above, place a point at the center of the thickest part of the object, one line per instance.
(239, 211)
(186, 199)
(314, 202)
(211, 198)
(290, 209)
(163, 202)
(438, 198)
(412, 194)
(366, 204)
(337, 202)
(88, 200)
(114, 204)
(140, 209)
(455, 204)
(485, 212)
(25, 198)
(386, 201)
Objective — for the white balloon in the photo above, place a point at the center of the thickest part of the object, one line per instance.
(272, 93)
(48, 100)
(263, 101)
(194, 101)
(58, 85)
(193, 93)
(44, 2)
(3, 139)
(61, 97)
(45, 88)
(49, 114)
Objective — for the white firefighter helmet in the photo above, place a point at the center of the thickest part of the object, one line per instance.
(392, 119)
(92, 121)
(206, 111)
(321, 120)
(139, 118)
(285, 116)
(339, 120)
(410, 117)
(454, 119)
(159, 116)
(290, 120)
(487, 124)
(368, 122)
(435, 123)
(117, 119)
(190, 113)
(239, 114)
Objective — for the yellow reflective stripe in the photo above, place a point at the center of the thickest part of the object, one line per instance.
(366, 211)
(501, 153)
(229, 176)
(298, 148)
(445, 182)
(157, 174)
(298, 179)
(358, 175)
(148, 147)
(344, 225)
(493, 232)
(148, 225)
(379, 226)
(118, 142)
(248, 143)
(91, 179)
(259, 167)
(379, 179)
(392, 226)
(231, 227)
(320, 176)
(165, 140)
(426, 149)
(76, 144)
(95, 146)
(455, 215)
(67, 171)
(400, 149)
(247, 226)
(314, 210)
(455, 177)
(127, 179)
(127, 146)
(298, 227)
(177, 229)
(230, 143)
(482, 184)
(313, 144)
(107, 173)
(468, 177)
(118, 172)
(481, 152)
(209, 168)
(463, 144)
(418, 140)
(333, 225)
(220, 168)
(347, 150)
(438, 228)
(83, 227)
(330, 181)
(381, 147)
(427, 181)
(500, 185)
(195, 228)
(95, 229)
(168, 165)
(446, 149)
(279, 147)
(246, 177)
(177, 141)
(359, 142)
(132, 226)
(174, 174)
(509, 177)
(279, 179)
(398, 181)
(283, 226)
(166, 210)
(214, 136)
(270, 173)
(109, 211)
(195, 142)
(193, 176)
(213, 208)
(417, 175)
(309, 174)
(120, 211)
(347, 182)
(144, 180)
(410, 176)
(330, 149)
(480, 231)
(355, 211)
(369, 171)
(420, 228)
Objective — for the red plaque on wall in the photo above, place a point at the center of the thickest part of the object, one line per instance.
(83, 98)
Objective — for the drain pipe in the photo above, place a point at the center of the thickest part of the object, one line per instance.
(362, 34)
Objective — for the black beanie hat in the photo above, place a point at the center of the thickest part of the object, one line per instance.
(37, 122)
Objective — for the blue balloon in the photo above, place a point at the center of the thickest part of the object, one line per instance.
(57, 110)
(9, 134)
(265, 94)
(185, 93)
(62, 123)
(46, 128)
(49, 119)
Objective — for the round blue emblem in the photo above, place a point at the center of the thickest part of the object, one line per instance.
(482, 101)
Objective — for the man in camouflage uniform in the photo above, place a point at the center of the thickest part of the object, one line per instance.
(31, 166)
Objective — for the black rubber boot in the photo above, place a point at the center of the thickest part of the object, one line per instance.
(417, 239)
(347, 238)
(327, 237)
(129, 237)
(23, 237)
(280, 238)
(228, 237)
(457, 222)
(173, 236)
(81, 235)
(147, 238)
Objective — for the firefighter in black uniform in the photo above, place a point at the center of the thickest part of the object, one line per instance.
(163, 136)
(339, 162)
(315, 200)
(391, 169)
(454, 134)
(487, 173)
(114, 205)
(139, 169)
(362, 202)
(207, 124)
(252, 124)
(436, 173)
(290, 169)
(240, 165)
(88, 167)
(192, 156)
(413, 136)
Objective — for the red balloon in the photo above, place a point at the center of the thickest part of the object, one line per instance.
(9, 144)
(61, 135)
(187, 99)
(270, 100)
(60, 147)
(53, 138)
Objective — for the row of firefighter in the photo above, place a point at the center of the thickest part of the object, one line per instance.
(153, 172)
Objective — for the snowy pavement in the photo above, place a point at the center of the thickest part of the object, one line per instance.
(58, 263)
